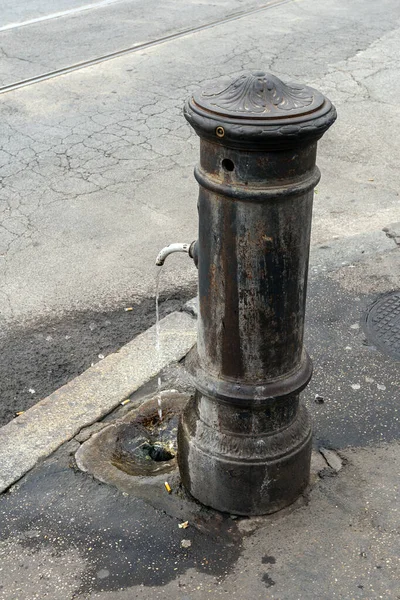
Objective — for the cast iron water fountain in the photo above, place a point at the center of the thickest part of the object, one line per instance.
(243, 443)
(244, 439)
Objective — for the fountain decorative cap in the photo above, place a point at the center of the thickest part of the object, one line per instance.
(258, 109)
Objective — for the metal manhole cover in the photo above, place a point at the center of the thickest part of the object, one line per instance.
(382, 324)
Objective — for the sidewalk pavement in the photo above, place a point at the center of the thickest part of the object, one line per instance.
(66, 535)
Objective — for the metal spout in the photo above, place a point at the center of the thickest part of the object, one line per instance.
(188, 248)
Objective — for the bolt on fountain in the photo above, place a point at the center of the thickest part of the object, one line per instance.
(244, 439)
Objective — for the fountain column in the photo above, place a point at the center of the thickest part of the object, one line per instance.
(244, 440)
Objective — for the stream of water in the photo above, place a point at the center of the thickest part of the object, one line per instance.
(158, 341)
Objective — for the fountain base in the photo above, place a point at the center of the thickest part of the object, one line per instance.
(230, 461)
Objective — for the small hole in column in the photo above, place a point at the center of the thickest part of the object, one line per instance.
(228, 164)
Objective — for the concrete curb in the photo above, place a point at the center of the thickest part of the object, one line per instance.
(56, 419)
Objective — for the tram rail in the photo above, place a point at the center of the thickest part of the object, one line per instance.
(139, 46)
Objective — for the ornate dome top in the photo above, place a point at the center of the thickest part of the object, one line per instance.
(258, 108)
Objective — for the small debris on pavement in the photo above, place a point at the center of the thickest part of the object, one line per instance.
(21, 412)
(183, 525)
(101, 356)
(186, 543)
(128, 309)
(167, 487)
(332, 458)
(32, 391)
(381, 386)
(355, 386)
(319, 399)
(125, 401)
(102, 574)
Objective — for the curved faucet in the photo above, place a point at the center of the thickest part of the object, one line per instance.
(190, 249)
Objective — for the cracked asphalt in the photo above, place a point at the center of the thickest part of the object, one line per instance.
(96, 165)
(95, 177)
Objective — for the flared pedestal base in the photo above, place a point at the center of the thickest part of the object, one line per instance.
(244, 470)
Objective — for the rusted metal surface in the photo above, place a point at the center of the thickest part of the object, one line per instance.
(253, 258)
(245, 440)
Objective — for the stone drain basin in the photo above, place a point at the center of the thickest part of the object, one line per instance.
(113, 457)
(146, 445)
(137, 453)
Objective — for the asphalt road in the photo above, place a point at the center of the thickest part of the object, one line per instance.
(96, 165)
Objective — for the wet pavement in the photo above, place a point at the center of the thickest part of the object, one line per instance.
(37, 360)
(120, 541)
(353, 395)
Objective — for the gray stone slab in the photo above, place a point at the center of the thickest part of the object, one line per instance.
(192, 306)
(35, 434)
(332, 458)
(317, 463)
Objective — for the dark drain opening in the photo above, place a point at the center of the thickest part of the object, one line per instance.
(159, 453)
(146, 446)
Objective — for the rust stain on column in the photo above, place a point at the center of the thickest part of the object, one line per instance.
(232, 365)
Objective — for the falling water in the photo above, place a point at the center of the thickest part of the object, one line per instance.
(159, 400)
(158, 277)
(158, 346)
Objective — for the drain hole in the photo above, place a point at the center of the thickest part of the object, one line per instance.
(159, 453)
(137, 452)
(134, 443)
(228, 164)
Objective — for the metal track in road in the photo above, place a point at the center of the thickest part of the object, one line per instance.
(137, 47)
